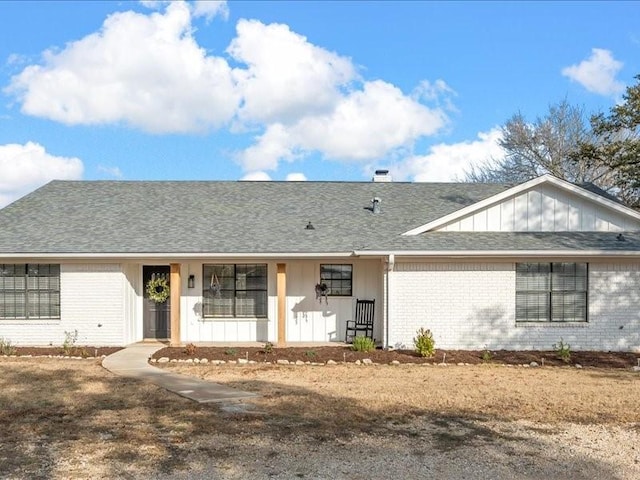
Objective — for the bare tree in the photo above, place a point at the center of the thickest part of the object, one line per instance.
(547, 145)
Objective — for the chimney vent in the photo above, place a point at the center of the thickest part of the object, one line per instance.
(381, 176)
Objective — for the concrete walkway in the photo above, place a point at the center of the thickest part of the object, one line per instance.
(133, 362)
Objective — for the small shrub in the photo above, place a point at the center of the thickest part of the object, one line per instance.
(231, 352)
(363, 344)
(310, 354)
(424, 343)
(268, 348)
(69, 343)
(487, 356)
(190, 349)
(563, 350)
(6, 347)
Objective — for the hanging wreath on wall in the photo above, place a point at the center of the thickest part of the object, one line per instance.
(158, 289)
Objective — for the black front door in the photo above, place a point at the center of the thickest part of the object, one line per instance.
(156, 316)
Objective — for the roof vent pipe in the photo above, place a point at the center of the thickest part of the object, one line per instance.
(381, 176)
(375, 205)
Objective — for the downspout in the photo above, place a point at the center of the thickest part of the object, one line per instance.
(389, 266)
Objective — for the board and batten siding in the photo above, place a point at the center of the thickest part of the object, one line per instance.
(91, 302)
(545, 208)
(195, 328)
(311, 320)
(472, 306)
(307, 319)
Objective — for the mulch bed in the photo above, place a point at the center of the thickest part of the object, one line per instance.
(345, 354)
(85, 352)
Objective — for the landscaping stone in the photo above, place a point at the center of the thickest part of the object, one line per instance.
(299, 362)
(358, 362)
(533, 364)
(282, 362)
(331, 362)
(578, 365)
(636, 369)
(204, 360)
(395, 362)
(163, 360)
(242, 361)
(367, 361)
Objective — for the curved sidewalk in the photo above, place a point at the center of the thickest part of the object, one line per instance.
(133, 362)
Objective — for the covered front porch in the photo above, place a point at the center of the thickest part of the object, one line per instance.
(228, 302)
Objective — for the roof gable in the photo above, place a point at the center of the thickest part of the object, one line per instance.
(544, 204)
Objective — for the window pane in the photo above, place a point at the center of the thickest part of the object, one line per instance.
(532, 307)
(532, 276)
(338, 279)
(235, 290)
(569, 307)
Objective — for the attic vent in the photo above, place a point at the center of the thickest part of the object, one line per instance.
(381, 176)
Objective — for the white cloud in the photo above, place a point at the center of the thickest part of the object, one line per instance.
(286, 77)
(598, 73)
(111, 171)
(211, 9)
(296, 177)
(143, 70)
(24, 168)
(147, 71)
(256, 177)
(447, 162)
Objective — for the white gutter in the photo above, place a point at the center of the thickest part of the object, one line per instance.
(497, 253)
(174, 256)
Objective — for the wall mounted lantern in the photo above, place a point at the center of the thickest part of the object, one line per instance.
(191, 282)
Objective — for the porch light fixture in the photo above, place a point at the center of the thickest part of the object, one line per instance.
(191, 282)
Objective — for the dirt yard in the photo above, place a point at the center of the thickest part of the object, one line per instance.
(72, 419)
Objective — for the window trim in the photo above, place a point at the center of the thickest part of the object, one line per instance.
(549, 293)
(54, 294)
(327, 281)
(234, 314)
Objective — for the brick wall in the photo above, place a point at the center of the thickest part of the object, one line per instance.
(472, 306)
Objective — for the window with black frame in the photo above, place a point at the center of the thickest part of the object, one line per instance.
(235, 290)
(338, 279)
(551, 292)
(29, 291)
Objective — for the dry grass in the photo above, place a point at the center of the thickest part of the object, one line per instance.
(72, 419)
(544, 395)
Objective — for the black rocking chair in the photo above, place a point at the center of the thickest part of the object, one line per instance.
(363, 321)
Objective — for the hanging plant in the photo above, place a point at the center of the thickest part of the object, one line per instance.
(158, 289)
(321, 291)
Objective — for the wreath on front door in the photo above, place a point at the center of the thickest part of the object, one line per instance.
(158, 289)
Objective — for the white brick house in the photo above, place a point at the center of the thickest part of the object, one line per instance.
(481, 266)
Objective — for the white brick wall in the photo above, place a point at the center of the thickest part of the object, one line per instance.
(472, 306)
(91, 301)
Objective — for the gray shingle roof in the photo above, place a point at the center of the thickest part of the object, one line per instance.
(101, 217)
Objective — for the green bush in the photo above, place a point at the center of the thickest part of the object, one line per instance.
(231, 351)
(363, 344)
(6, 347)
(563, 350)
(424, 343)
(268, 348)
(486, 356)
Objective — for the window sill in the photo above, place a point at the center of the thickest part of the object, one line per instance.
(234, 319)
(27, 321)
(552, 324)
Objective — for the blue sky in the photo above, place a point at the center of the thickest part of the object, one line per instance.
(291, 90)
